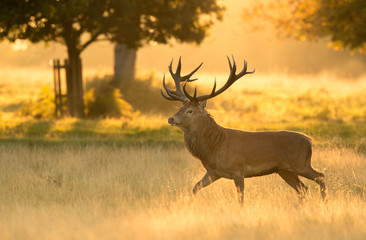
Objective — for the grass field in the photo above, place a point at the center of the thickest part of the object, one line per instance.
(132, 178)
(144, 192)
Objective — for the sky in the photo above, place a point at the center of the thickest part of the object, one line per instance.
(263, 51)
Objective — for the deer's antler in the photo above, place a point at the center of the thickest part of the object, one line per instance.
(231, 79)
(177, 95)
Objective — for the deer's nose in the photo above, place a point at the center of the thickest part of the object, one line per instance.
(171, 120)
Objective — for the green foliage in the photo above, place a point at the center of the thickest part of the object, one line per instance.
(106, 101)
(41, 107)
(142, 21)
(342, 20)
(129, 22)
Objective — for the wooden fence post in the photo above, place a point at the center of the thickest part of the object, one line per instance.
(60, 97)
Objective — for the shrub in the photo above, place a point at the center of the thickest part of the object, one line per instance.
(145, 96)
(42, 107)
(143, 93)
(104, 100)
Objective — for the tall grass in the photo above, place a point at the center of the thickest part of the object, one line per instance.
(106, 192)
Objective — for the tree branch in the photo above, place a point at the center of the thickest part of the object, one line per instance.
(92, 39)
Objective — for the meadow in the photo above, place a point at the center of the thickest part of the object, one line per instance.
(132, 178)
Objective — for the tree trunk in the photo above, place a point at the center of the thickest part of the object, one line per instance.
(124, 65)
(75, 93)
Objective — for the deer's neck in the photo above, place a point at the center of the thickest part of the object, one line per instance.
(204, 138)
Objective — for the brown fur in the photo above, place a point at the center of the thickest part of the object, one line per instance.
(236, 154)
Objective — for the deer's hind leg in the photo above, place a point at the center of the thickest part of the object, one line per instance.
(316, 176)
(293, 180)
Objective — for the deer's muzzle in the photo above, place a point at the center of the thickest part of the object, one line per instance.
(172, 121)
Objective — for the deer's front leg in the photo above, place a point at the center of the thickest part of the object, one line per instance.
(239, 184)
(205, 181)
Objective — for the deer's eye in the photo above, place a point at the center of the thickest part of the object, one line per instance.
(189, 111)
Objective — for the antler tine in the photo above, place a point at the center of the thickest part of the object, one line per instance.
(178, 70)
(214, 88)
(186, 77)
(234, 63)
(232, 69)
(186, 93)
(244, 71)
(171, 94)
(170, 67)
(179, 67)
(176, 95)
(228, 59)
(166, 97)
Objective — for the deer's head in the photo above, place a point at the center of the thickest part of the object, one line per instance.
(194, 106)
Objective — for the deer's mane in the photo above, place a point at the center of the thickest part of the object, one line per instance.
(204, 138)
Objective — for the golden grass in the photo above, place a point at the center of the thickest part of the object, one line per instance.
(93, 190)
(104, 192)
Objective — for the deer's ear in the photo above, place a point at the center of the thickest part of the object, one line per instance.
(203, 104)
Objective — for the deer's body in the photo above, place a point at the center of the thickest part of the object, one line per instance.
(230, 152)
(236, 154)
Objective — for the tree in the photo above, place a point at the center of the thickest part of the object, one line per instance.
(344, 21)
(62, 21)
(78, 23)
(158, 21)
(124, 65)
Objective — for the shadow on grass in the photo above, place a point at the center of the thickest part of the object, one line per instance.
(12, 107)
(71, 143)
(28, 129)
(84, 132)
(84, 129)
(39, 129)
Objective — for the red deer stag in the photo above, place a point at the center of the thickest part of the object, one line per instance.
(235, 154)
